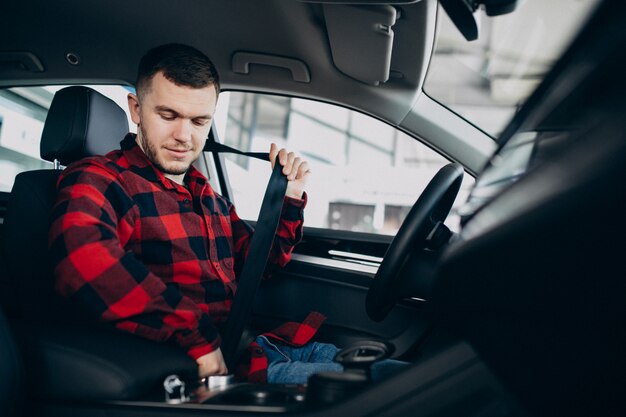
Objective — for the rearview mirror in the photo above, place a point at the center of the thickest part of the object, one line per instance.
(463, 13)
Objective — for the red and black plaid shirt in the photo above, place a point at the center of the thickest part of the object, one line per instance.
(149, 255)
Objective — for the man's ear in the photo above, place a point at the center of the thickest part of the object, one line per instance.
(133, 107)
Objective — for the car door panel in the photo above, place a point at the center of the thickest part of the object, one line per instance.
(339, 294)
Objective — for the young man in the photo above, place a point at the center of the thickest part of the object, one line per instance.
(139, 237)
(142, 241)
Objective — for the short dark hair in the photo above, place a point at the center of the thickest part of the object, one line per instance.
(182, 64)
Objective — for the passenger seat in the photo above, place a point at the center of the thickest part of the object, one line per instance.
(66, 357)
(81, 122)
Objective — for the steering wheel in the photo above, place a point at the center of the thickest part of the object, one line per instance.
(428, 212)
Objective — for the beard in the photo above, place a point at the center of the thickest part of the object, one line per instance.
(151, 152)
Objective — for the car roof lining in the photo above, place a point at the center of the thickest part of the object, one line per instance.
(85, 29)
(110, 41)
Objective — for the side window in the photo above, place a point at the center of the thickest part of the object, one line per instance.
(22, 114)
(23, 111)
(366, 174)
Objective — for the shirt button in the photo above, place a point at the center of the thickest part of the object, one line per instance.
(186, 201)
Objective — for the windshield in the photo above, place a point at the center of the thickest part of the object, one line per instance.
(486, 80)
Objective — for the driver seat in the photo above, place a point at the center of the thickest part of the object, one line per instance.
(67, 356)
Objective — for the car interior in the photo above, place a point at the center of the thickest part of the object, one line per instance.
(517, 312)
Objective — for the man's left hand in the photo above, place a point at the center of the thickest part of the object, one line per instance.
(294, 168)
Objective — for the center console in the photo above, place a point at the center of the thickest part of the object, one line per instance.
(322, 389)
(85, 371)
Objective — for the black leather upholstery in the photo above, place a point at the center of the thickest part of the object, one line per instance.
(26, 245)
(74, 362)
(30, 279)
(81, 122)
(69, 356)
(11, 373)
(8, 297)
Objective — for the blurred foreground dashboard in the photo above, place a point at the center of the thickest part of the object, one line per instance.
(536, 279)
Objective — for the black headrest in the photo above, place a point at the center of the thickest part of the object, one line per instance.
(81, 122)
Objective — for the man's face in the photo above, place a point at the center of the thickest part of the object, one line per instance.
(173, 123)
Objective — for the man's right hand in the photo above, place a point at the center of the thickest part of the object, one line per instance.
(212, 364)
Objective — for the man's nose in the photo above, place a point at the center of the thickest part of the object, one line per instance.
(182, 131)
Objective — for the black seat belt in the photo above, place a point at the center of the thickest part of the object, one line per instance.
(258, 253)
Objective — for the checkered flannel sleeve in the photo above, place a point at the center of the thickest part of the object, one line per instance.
(92, 219)
(288, 234)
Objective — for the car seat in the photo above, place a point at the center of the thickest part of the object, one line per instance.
(68, 356)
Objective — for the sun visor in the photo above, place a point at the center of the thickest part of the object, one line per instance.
(361, 40)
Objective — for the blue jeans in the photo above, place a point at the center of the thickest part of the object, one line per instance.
(294, 365)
